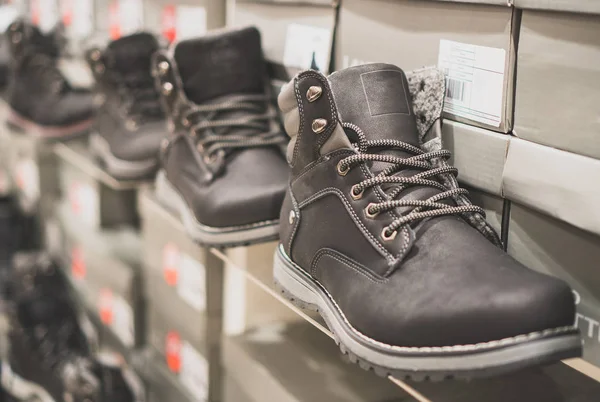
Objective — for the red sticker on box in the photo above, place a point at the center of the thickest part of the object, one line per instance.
(78, 269)
(114, 21)
(169, 23)
(105, 306)
(173, 351)
(170, 261)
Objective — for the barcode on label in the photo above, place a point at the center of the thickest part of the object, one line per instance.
(455, 89)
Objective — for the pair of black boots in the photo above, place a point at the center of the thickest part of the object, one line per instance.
(375, 232)
(52, 355)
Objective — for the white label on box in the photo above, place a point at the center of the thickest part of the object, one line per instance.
(131, 16)
(307, 47)
(85, 203)
(474, 81)
(191, 283)
(191, 22)
(123, 321)
(28, 178)
(8, 13)
(82, 24)
(49, 14)
(194, 372)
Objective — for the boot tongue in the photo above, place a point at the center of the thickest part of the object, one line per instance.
(221, 64)
(133, 53)
(375, 97)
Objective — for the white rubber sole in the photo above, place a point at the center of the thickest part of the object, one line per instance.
(22, 389)
(119, 168)
(213, 236)
(424, 363)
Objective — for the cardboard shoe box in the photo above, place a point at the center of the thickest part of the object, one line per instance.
(558, 183)
(478, 154)
(296, 35)
(548, 245)
(102, 267)
(473, 43)
(558, 81)
(579, 6)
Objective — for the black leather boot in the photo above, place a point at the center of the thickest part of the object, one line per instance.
(51, 342)
(130, 124)
(377, 236)
(223, 167)
(41, 100)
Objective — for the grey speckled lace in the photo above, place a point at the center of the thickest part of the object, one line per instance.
(421, 160)
(251, 126)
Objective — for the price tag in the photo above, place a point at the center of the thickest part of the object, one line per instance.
(116, 313)
(307, 47)
(66, 11)
(85, 202)
(78, 267)
(131, 16)
(45, 14)
(82, 12)
(173, 351)
(192, 282)
(186, 274)
(183, 22)
(27, 178)
(114, 25)
(194, 372)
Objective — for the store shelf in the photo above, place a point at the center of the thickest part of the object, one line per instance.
(78, 154)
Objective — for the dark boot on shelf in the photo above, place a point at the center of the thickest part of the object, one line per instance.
(380, 239)
(51, 342)
(224, 170)
(130, 123)
(41, 100)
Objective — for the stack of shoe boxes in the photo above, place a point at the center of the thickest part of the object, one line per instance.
(296, 35)
(554, 156)
(184, 282)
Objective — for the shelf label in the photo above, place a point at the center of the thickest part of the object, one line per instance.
(84, 201)
(194, 372)
(186, 274)
(173, 351)
(117, 314)
(474, 81)
(183, 22)
(45, 14)
(27, 178)
(307, 47)
(78, 267)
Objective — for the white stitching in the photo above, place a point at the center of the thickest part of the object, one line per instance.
(437, 349)
(353, 266)
(333, 190)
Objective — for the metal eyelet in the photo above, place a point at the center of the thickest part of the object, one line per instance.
(208, 159)
(185, 122)
(200, 148)
(356, 195)
(16, 37)
(163, 67)
(95, 55)
(388, 237)
(167, 88)
(314, 93)
(342, 172)
(369, 214)
(319, 125)
(292, 216)
(164, 144)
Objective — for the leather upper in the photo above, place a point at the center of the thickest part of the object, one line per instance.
(439, 282)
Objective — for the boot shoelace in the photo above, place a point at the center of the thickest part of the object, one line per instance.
(144, 98)
(420, 160)
(253, 129)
